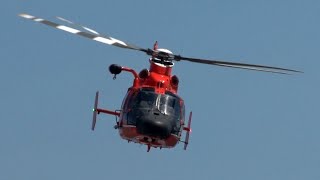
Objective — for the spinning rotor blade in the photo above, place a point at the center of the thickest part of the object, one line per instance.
(83, 27)
(90, 35)
(238, 65)
(94, 35)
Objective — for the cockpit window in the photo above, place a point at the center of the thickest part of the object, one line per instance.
(147, 103)
(165, 103)
(144, 99)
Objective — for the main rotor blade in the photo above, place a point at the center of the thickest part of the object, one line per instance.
(73, 23)
(239, 65)
(94, 35)
(90, 35)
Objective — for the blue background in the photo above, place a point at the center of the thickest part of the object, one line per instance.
(246, 125)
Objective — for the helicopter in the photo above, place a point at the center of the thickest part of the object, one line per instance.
(152, 113)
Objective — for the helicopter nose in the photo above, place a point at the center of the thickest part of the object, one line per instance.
(154, 127)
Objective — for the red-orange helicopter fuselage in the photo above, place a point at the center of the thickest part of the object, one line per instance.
(152, 113)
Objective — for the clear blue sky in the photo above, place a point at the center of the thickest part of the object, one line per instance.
(246, 125)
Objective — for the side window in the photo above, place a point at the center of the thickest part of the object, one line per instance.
(183, 113)
(124, 102)
(126, 105)
(129, 114)
(177, 107)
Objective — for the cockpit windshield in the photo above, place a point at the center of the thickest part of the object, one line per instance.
(167, 104)
(147, 105)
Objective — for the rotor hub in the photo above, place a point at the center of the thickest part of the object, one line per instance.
(162, 57)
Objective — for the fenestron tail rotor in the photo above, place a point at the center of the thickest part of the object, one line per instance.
(163, 56)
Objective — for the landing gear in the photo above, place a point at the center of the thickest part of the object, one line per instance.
(97, 111)
(188, 129)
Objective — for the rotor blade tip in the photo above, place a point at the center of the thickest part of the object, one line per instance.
(27, 16)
